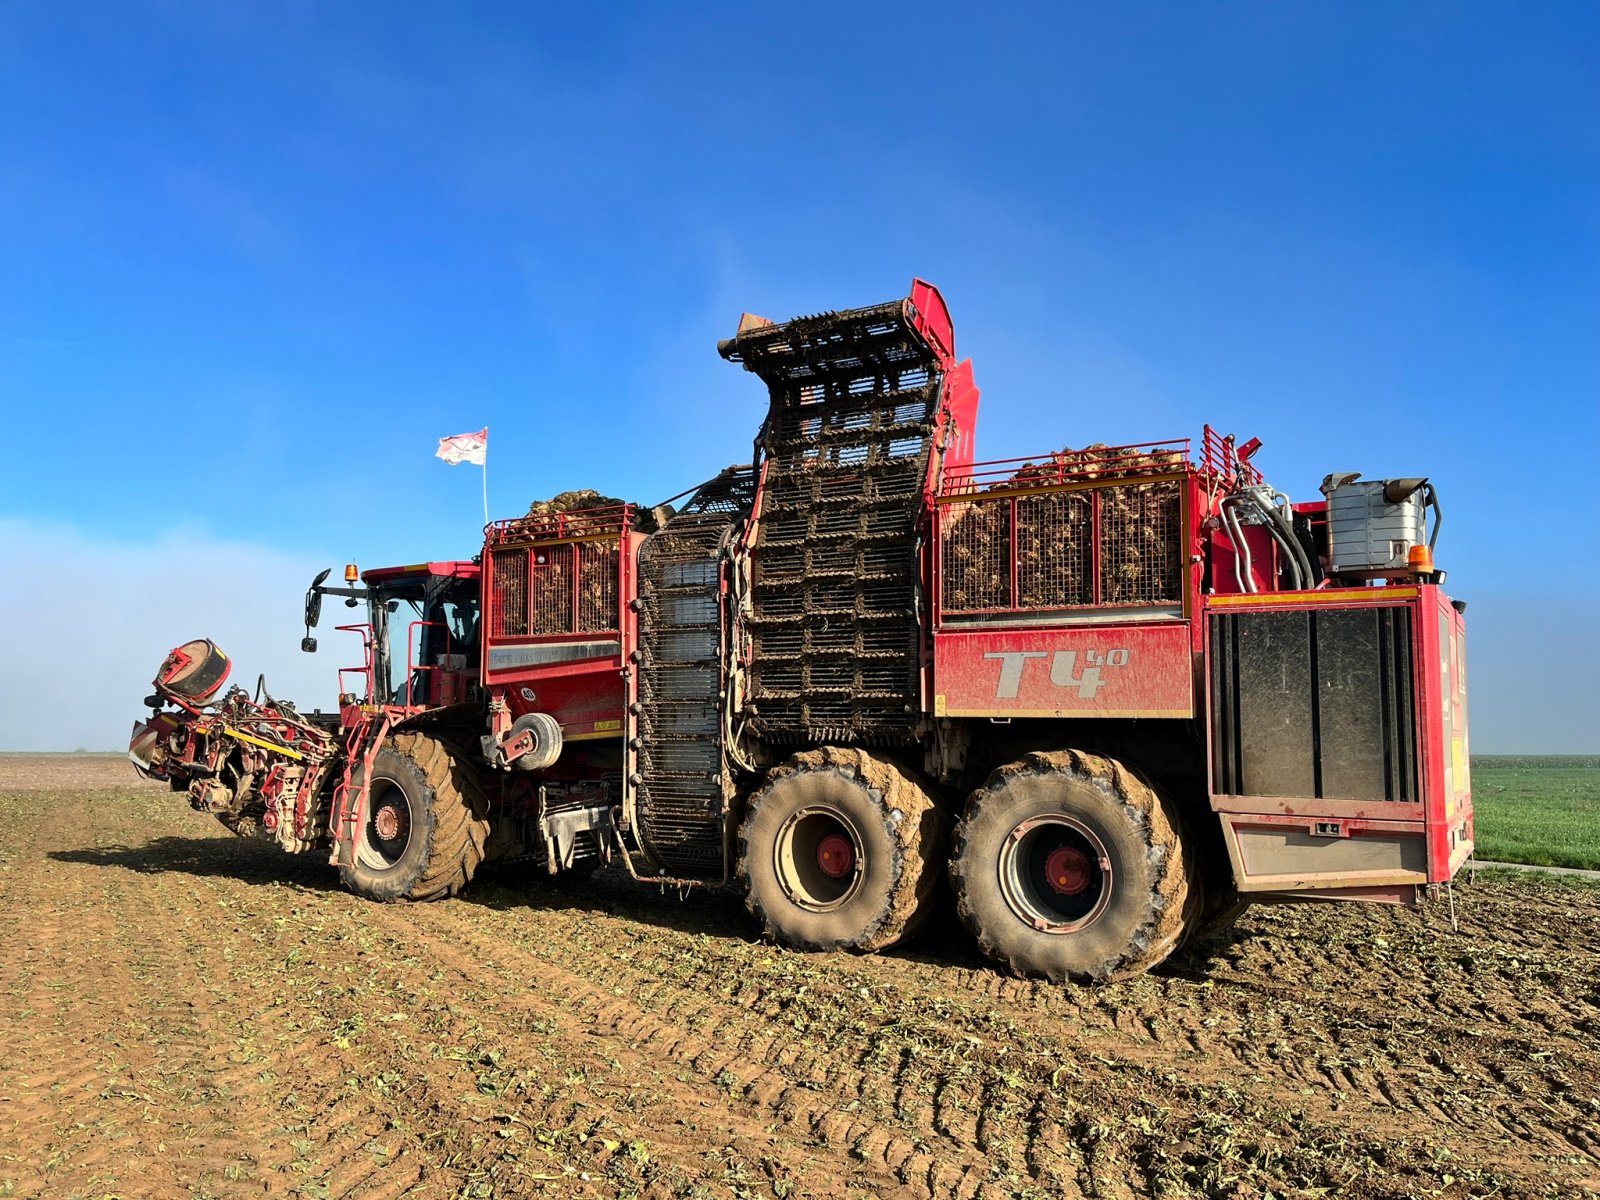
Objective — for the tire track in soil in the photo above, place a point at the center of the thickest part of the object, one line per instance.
(282, 1087)
(986, 1126)
(407, 961)
(1345, 1038)
(243, 1009)
(1298, 1072)
(830, 1106)
(128, 1082)
(77, 1111)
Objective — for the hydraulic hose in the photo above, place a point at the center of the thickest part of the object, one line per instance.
(1285, 515)
(1291, 558)
(1299, 569)
(1243, 569)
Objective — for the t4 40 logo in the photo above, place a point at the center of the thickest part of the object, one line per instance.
(1064, 669)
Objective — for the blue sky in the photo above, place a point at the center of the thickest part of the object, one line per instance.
(255, 260)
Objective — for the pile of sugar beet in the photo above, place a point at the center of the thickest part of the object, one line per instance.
(551, 604)
(1141, 545)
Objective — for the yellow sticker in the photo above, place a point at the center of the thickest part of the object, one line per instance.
(600, 726)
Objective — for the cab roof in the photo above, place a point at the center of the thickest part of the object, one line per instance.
(448, 570)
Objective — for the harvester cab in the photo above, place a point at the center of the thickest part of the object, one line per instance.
(420, 640)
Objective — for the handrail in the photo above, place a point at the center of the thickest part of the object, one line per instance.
(1067, 466)
(580, 522)
(413, 667)
(365, 630)
(1220, 458)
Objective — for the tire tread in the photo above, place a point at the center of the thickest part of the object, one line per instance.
(920, 834)
(1174, 868)
(460, 817)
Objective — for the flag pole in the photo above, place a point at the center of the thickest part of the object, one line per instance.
(486, 476)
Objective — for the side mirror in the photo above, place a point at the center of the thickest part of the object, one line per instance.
(308, 644)
(314, 603)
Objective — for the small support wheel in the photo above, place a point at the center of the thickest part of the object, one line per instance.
(841, 850)
(1069, 866)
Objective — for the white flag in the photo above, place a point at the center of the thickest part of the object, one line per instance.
(465, 447)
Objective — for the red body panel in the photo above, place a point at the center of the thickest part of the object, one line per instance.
(453, 570)
(1085, 670)
(1227, 567)
(573, 669)
(1447, 769)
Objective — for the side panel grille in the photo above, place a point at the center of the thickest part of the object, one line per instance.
(682, 781)
(552, 590)
(1314, 704)
(1120, 544)
(510, 598)
(557, 588)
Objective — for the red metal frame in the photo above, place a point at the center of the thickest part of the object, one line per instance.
(585, 693)
(365, 630)
(1101, 465)
(560, 527)
(1219, 457)
(412, 667)
(929, 315)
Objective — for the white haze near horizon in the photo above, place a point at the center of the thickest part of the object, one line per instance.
(87, 622)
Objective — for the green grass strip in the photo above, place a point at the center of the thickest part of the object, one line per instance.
(1538, 809)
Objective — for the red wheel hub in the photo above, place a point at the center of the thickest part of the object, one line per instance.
(1068, 870)
(836, 856)
(390, 822)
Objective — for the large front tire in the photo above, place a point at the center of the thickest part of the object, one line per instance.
(841, 850)
(1069, 866)
(427, 823)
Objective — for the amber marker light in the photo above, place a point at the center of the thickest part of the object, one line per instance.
(1420, 559)
(350, 573)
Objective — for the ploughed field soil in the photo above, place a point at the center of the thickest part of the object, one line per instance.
(183, 1013)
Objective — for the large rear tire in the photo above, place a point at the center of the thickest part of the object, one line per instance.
(1069, 866)
(427, 823)
(841, 850)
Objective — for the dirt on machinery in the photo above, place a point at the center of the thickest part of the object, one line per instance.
(184, 1013)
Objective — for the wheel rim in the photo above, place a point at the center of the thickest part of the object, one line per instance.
(1055, 874)
(387, 832)
(817, 858)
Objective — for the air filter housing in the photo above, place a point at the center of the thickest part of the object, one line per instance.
(1372, 525)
